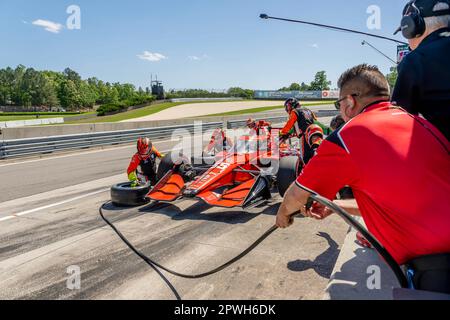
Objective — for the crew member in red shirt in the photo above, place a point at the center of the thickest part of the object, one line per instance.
(145, 158)
(398, 167)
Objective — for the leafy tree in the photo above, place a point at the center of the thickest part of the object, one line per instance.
(28, 87)
(240, 93)
(392, 77)
(304, 87)
(69, 96)
(320, 82)
(72, 75)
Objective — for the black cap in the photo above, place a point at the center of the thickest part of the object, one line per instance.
(426, 9)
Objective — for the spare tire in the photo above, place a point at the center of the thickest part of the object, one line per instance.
(123, 194)
(287, 173)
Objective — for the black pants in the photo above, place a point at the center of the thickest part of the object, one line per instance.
(430, 273)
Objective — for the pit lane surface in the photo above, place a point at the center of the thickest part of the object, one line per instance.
(45, 231)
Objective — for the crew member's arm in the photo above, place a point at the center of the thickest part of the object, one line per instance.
(131, 170)
(349, 205)
(157, 153)
(326, 130)
(289, 125)
(329, 171)
(407, 89)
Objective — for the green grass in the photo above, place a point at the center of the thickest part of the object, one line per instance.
(137, 113)
(146, 111)
(269, 108)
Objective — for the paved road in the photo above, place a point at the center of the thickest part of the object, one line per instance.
(37, 248)
(193, 110)
(24, 178)
(53, 223)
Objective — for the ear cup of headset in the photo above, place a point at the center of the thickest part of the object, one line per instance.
(413, 26)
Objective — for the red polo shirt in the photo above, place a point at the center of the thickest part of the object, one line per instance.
(398, 166)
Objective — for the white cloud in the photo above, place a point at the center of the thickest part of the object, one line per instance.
(194, 58)
(149, 56)
(197, 58)
(314, 45)
(48, 25)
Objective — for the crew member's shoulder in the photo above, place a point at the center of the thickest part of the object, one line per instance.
(336, 139)
(411, 59)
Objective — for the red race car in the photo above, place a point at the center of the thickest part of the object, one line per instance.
(240, 177)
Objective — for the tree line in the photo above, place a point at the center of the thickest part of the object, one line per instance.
(201, 93)
(319, 83)
(29, 87)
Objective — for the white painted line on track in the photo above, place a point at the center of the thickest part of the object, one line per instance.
(7, 218)
(23, 213)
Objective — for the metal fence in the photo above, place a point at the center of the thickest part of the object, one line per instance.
(36, 146)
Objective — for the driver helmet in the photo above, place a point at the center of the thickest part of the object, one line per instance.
(291, 104)
(144, 147)
(251, 123)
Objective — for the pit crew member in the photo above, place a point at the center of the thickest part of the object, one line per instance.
(397, 165)
(145, 159)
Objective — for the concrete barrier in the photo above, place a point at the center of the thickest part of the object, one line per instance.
(32, 122)
(353, 275)
(68, 129)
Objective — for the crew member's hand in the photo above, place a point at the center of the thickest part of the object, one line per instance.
(284, 221)
(134, 183)
(318, 211)
(283, 137)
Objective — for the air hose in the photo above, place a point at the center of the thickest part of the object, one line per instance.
(188, 276)
(342, 213)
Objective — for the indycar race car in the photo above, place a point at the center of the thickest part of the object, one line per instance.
(240, 177)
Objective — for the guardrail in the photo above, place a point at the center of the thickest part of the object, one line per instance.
(35, 146)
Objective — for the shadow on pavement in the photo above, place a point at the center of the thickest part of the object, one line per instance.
(196, 212)
(323, 264)
(351, 281)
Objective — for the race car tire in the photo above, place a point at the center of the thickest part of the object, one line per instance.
(165, 165)
(124, 195)
(287, 173)
(168, 162)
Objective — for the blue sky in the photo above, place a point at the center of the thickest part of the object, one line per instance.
(198, 43)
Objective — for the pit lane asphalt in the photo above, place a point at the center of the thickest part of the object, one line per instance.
(56, 232)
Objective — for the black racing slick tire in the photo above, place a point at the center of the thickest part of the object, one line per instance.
(124, 195)
(168, 163)
(165, 165)
(287, 173)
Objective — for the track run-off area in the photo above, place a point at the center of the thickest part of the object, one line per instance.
(49, 223)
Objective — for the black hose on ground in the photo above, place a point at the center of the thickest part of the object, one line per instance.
(342, 213)
(188, 276)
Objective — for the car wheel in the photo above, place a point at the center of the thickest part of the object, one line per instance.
(168, 162)
(287, 173)
(123, 194)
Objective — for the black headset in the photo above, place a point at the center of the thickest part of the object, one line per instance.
(413, 22)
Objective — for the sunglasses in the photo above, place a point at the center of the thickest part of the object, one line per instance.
(337, 104)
